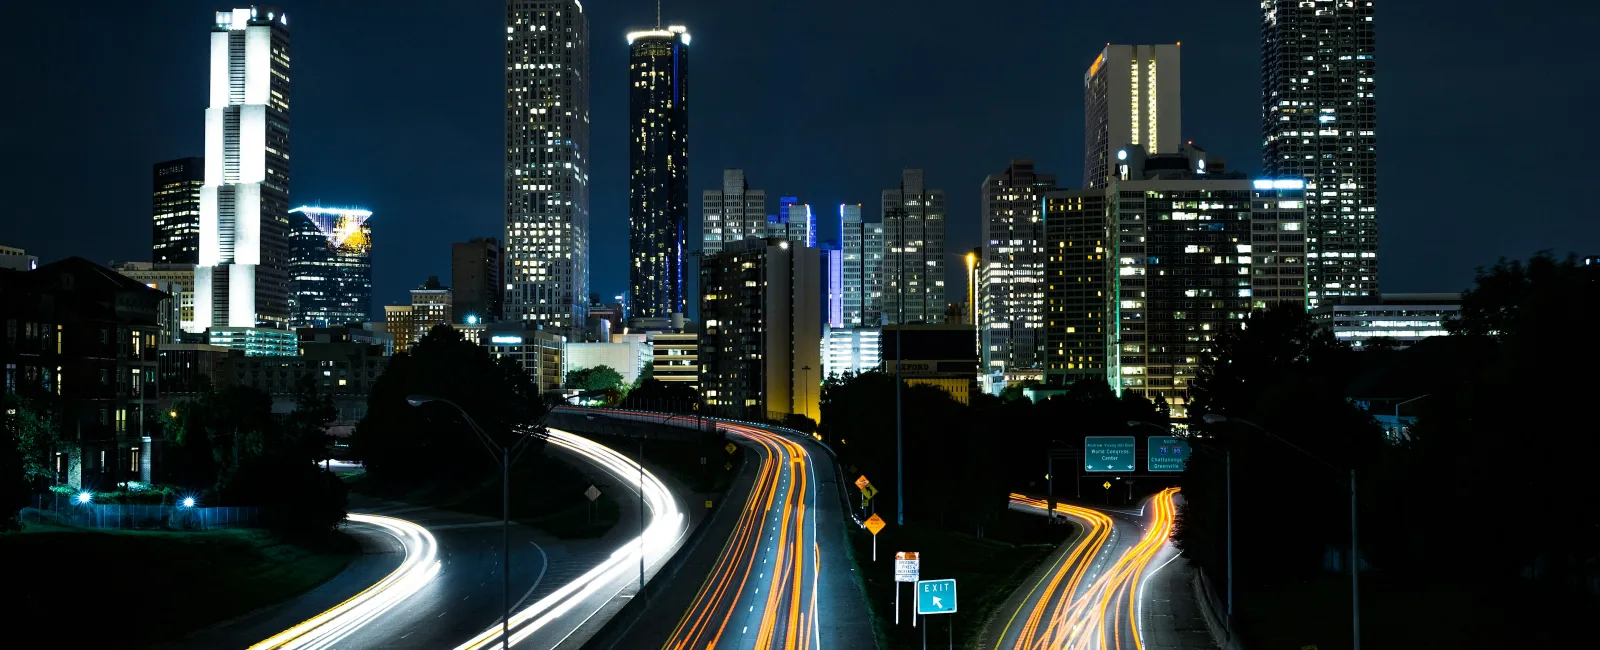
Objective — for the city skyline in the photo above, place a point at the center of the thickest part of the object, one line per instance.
(1227, 126)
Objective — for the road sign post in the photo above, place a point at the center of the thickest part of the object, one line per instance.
(907, 567)
(1108, 453)
(936, 597)
(874, 524)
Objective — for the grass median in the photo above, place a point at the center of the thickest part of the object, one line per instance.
(134, 588)
(986, 571)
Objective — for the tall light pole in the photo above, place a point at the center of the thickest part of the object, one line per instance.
(805, 380)
(1355, 550)
(899, 384)
(504, 456)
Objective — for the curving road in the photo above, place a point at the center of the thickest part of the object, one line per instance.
(1091, 595)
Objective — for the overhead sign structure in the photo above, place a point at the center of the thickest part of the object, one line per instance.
(907, 564)
(1167, 454)
(936, 596)
(1108, 453)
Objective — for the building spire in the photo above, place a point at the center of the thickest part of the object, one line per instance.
(658, 14)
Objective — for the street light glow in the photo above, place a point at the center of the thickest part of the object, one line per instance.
(188, 502)
(85, 497)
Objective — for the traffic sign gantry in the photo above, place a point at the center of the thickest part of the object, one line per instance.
(1167, 454)
(936, 596)
(1108, 453)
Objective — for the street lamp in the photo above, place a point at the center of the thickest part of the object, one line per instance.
(592, 416)
(84, 498)
(1355, 552)
(503, 455)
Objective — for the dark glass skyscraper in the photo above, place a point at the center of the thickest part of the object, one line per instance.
(175, 210)
(658, 193)
(1319, 122)
(330, 266)
(546, 164)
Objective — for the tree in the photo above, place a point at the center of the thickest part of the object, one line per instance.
(13, 472)
(599, 378)
(33, 434)
(408, 446)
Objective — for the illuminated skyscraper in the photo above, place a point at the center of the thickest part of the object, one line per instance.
(1011, 302)
(861, 247)
(175, 211)
(330, 266)
(913, 227)
(731, 213)
(241, 278)
(1319, 122)
(547, 163)
(1130, 97)
(658, 191)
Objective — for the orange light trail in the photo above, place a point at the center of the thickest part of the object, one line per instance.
(788, 613)
(1105, 614)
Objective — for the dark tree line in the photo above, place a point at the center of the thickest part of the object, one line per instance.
(1495, 443)
(961, 461)
(404, 446)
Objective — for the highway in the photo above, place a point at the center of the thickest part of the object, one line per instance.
(1091, 595)
(781, 579)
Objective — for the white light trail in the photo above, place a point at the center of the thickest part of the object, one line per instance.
(666, 527)
(419, 567)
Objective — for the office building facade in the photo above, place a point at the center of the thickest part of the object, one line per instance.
(398, 324)
(861, 252)
(760, 346)
(658, 191)
(914, 264)
(177, 281)
(432, 304)
(732, 213)
(1398, 318)
(675, 358)
(851, 350)
(1319, 123)
(1142, 278)
(1010, 296)
(330, 266)
(475, 272)
(175, 211)
(242, 277)
(547, 163)
(1131, 96)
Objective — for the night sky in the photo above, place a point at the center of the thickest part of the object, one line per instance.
(1484, 115)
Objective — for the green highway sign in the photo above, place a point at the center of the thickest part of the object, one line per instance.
(1108, 453)
(1167, 454)
(936, 596)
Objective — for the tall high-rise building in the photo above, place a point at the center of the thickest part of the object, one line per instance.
(761, 344)
(1011, 301)
(175, 211)
(546, 245)
(794, 221)
(1131, 96)
(1319, 122)
(242, 276)
(913, 229)
(330, 266)
(1143, 275)
(475, 268)
(861, 252)
(731, 213)
(658, 156)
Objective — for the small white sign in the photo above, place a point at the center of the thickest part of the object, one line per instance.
(906, 570)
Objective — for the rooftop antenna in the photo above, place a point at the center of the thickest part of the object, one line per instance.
(658, 14)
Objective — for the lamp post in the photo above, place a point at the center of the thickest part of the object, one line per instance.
(805, 380)
(504, 456)
(1355, 551)
(592, 416)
